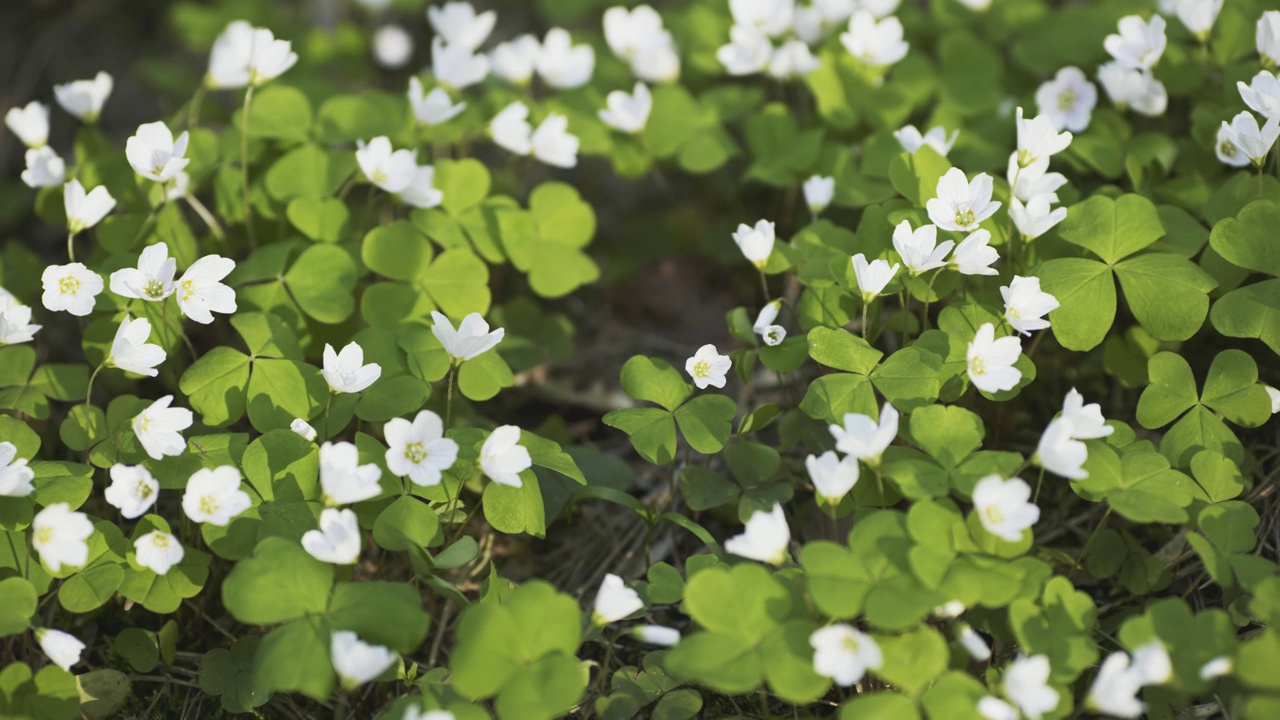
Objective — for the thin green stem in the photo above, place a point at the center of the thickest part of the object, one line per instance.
(929, 294)
(764, 287)
(1039, 481)
(244, 164)
(214, 226)
(864, 318)
(448, 402)
(328, 404)
(14, 549)
(164, 323)
(71, 246)
(194, 104)
(88, 393)
(1088, 543)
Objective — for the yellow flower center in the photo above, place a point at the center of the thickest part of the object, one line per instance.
(1066, 99)
(44, 535)
(702, 369)
(187, 290)
(994, 515)
(379, 177)
(965, 218)
(1013, 313)
(69, 285)
(143, 424)
(850, 643)
(1227, 148)
(1025, 158)
(161, 541)
(209, 505)
(415, 453)
(154, 289)
(143, 490)
(977, 366)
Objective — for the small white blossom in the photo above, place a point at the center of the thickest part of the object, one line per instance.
(974, 255)
(874, 43)
(990, 360)
(346, 372)
(515, 60)
(1198, 16)
(357, 662)
(511, 130)
(832, 476)
(132, 490)
(1025, 304)
(304, 430)
(337, 541)
(1033, 180)
(818, 192)
(84, 210)
(418, 450)
(1038, 138)
(844, 653)
(62, 648)
(628, 113)
(656, 635)
(459, 23)
(993, 708)
(432, 108)
(1216, 668)
(130, 350)
(764, 326)
(756, 243)
(1004, 506)
(503, 458)
(60, 536)
(392, 46)
(708, 367)
(470, 340)
(563, 65)
(158, 551)
(919, 248)
(638, 37)
(152, 280)
(771, 17)
(1262, 94)
(1138, 44)
(949, 609)
(974, 644)
(343, 480)
(614, 601)
(1275, 398)
(748, 52)
(1267, 37)
(159, 428)
(1061, 454)
(1115, 690)
(1135, 89)
(872, 277)
(422, 191)
(85, 98)
(73, 288)
(390, 170)
(553, 144)
(960, 203)
(201, 291)
(45, 168)
(1068, 99)
(457, 66)
(15, 476)
(1085, 421)
(911, 140)
(1026, 683)
(16, 327)
(1250, 140)
(230, 56)
(178, 187)
(765, 538)
(1151, 664)
(862, 438)
(154, 154)
(214, 496)
(30, 123)
(269, 58)
(792, 59)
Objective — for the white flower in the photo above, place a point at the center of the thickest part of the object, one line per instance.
(879, 8)
(214, 496)
(343, 480)
(809, 25)
(422, 191)
(974, 644)
(178, 187)
(874, 43)
(919, 248)
(1115, 690)
(152, 280)
(16, 327)
(306, 432)
(764, 539)
(872, 277)
(792, 59)
(44, 168)
(85, 98)
(73, 288)
(755, 243)
(832, 477)
(269, 58)
(1004, 507)
(708, 367)
(949, 609)
(1275, 398)
(614, 601)
(515, 60)
(771, 17)
(159, 428)
(158, 551)
(1151, 664)
(1061, 454)
(230, 56)
(1025, 304)
(337, 541)
(60, 536)
(818, 191)
(658, 62)
(1267, 36)
(62, 648)
(503, 458)
(357, 662)
(1068, 99)
(1033, 180)
(346, 372)
(990, 361)
(844, 653)
(15, 476)
(154, 154)
(1038, 138)
(392, 47)
(1139, 44)
(1253, 142)
(391, 170)
(457, 66)
(459, 24)
(553, 144)
(993, 708)
(563, 65)
(974, 255)
(1026, 683)
(961, 204)
(1131, 88)
(911, 140)
(434, 107)
(748, 52)
(656, 635)
(130, 350)
(29, 123)
(470, 340)
(862, 438)
(132, 490)
(1085, 421)
(510, 128)
(1262, 95)
(419, 450)
(84, 210)
(201, 291)
(764, 326)
(1216, 667)
(1198, 16)
(976, 5)
(628, 32)
(628, 112)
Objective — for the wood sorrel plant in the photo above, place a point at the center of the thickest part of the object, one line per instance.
(295, 423)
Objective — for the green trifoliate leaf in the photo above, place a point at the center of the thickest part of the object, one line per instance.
(1086, 295)
(1112, 229)
(1248, 240)
(1252, 311)
(1167, 294)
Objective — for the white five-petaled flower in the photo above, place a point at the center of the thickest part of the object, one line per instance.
(708, 367)
(973, 643)
(343, 480)
(1198, 16)
(432, 108)
(874, 43)
(132, 490)
(392, 46)
(457, 66)
(269, 57)
(872, 277)
(152, 280)
(337, 541)
(84, 210)
(85, 98)
(390, 170)
(771, 17)
(130, 350)
(639, 38)
(1262, 94)
(419, 450)
(553, 144)
(1216, 668)
(158, 551)
(911, 140)
(356, 661)
(459, 23)
(159, 428)
(748, 51)
(154, 154)
(1034, 180)
(1138, 44)
(765, 538)
(72, 287)
(865, 439)
(818, 192)
(1026, 683)
(303, 429)
(844, 653)
(1038, 138)
(60, 536)
(244, 55)
(656, 635)
(1061, 454)
(503, 458)
(756, 243)
(511, 130)
(960, 203)
(974, 255)
(15, 476)
(1085, 421)
(614, 601)
(515, 60)
(1068, 99)
(1152, 664)
(792, 59)
(832, 476)
(919, 248)
(990, 360)
(1115, 689)
(471, 339)
(1135, 89)
(1250, 140)
(625, 112)
(563, 65)
(1267, 37)
(1025, 304)
(62, 648)
(15, 325)
(30, 123)
(422, 191)
(764, 326)
(1004, 506)
(201, 291)
(346, 372)
(214, 496)
(45, 168)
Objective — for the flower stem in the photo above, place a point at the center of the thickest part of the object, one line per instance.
(244, 164)
(14, 549)
(328, 403)
(88, 393)
(929, 294)
(71, 247)
(164, 323)
(864, 319)
(764, 287)
(214, 226)
(448, 402)
(1040, 480)
(1087, 543)
(193, 105)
